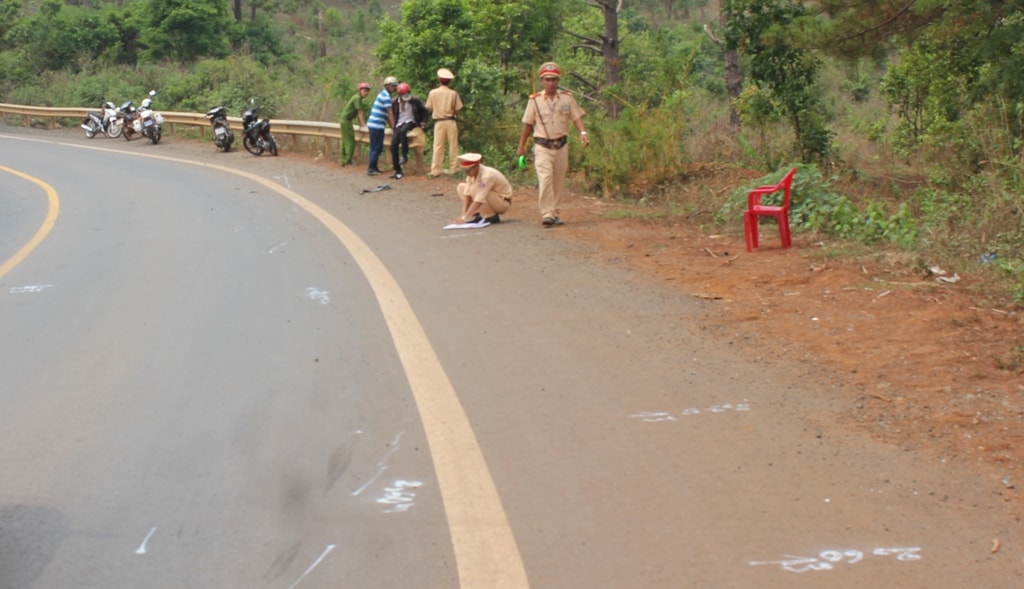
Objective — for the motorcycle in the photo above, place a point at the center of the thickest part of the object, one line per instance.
(149, 123)
(223, 137)
(126, 115)
(256, 132)
(105, 122)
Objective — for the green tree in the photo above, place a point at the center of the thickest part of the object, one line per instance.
(185, 30)
(765, 31)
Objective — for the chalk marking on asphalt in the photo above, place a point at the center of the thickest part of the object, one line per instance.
(486, 554)
(323, 555)
(48, 222)
(382, 464)
(142, 547)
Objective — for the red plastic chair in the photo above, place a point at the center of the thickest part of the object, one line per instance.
(756, 210)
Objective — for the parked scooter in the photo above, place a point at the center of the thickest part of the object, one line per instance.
(256, 137)
(223, 137)
(149, 123)
(102, 122)
(126, 115)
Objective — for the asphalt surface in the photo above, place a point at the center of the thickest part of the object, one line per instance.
(277, 379)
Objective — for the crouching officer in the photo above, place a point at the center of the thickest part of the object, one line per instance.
(485, 194)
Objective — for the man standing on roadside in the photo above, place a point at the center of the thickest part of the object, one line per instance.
(444, 104)
(407, 113)
(354, 109)
(380, 119)
(547, 118)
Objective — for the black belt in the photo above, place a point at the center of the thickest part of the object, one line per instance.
(552, 143)
(447, 119)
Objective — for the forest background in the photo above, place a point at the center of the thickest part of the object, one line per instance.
(905, 118)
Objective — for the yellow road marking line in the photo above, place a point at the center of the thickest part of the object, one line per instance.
(486, 553)
(44, 229)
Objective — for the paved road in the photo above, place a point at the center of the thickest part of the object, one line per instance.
(272, 380)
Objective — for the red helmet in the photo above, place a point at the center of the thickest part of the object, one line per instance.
(403, 88)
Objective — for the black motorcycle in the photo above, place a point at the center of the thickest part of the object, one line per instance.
(223, 137)
(126, 115)
(257, 137)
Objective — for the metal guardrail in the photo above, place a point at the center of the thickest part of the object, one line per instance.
(328, 133)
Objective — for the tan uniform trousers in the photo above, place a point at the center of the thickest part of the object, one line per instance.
(498, 203)
(445, 132)
(552, 165)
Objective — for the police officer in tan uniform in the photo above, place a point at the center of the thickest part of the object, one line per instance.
(548, 116)
(444, 104)
(485, 194)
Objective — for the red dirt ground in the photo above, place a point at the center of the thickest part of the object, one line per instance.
(933, 367)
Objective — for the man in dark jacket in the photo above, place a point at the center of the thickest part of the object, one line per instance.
(409, 113)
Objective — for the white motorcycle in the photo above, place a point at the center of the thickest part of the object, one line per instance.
(105, 122)
(149, 123)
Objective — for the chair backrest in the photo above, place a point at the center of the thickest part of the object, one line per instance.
(786, 184)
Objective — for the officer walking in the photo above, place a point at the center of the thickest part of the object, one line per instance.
(547, 118)
(444, 104)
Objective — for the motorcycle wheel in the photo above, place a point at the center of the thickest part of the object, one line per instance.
(271, 144)
(251, 146)
(114, 130)
(227, 143)
(91, 131)
(154, 136)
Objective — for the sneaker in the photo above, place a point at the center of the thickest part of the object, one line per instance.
(396, 176)
(476, 219)
(432, 175)
(372, 172)
(494, 219)
(549, 221)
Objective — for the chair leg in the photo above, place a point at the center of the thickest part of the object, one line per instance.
(750, 230)
(784, 231)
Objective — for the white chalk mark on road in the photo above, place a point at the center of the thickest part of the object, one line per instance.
(382, 464)
(323, 555)
(142, 547)
(30, 288)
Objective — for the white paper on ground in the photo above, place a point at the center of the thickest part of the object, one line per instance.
(479, 225)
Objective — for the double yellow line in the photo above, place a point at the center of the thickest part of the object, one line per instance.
(44, 229)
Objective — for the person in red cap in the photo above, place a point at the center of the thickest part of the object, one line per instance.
(408, 112)
(444, 104)
(354, 109)
(549, 114)
(485, 194)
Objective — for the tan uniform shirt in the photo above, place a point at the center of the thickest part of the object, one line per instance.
(551, 117)
(488, 182)
(444, 103)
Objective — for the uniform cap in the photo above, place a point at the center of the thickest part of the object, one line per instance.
(390, 81)
(468, 160)
(445, 74)
(364, 86)
(550, 70)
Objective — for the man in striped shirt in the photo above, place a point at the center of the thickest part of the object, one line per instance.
(380, 119)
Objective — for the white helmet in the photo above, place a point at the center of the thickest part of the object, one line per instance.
(146, 103)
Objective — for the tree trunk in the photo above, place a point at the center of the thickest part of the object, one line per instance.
(236, 7)
(322, 30)
(733, 79)
(610, 51)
